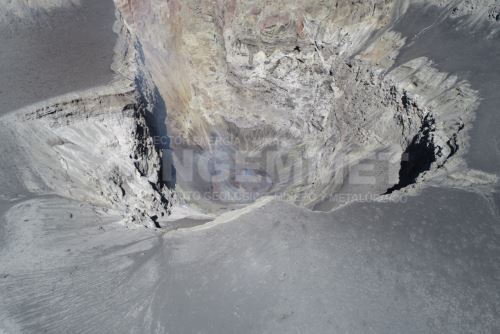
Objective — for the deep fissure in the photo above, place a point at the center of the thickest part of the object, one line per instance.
(418, 156)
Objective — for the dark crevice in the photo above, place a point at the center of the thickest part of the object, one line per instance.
(122, 190)
(155, 221)
(452, 144)
(407, 101)
(418, 156)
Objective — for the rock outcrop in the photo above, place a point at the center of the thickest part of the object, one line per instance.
(95, 146)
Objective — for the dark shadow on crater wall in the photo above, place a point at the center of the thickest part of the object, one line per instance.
(156, 118)
(417, 158)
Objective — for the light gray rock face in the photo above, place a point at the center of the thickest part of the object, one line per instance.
(380, 115)
(94, 149)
